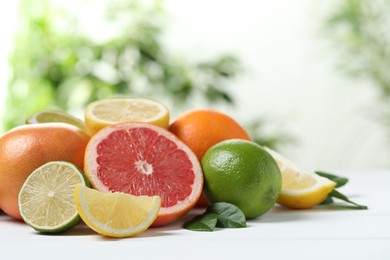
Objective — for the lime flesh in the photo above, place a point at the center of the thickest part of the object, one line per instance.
(46, 200)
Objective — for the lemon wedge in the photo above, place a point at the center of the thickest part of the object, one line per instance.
(301, 188)
(107, 112)
(116, 214)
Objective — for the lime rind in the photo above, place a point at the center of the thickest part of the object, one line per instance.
(60, 228)
(242, 173)
(48, 116)
(46, 197)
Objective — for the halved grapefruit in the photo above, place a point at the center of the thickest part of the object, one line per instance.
(143, 159)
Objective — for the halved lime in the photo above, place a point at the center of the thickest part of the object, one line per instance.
(46, 200)
(47, 116)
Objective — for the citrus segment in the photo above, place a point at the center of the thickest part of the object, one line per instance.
(143, 159)
(301, 188)
(107, 112)
(115, 214)
(46, 198)
(47, 116)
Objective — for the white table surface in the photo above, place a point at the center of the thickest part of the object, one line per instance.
(319, 233)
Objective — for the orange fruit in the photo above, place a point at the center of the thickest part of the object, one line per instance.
(200, 129)
(25, 148)
(145, 160)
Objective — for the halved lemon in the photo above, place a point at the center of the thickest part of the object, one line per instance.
(107, 112)
(301, 188)
(116, 214)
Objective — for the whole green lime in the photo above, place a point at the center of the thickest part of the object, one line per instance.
(242, 173)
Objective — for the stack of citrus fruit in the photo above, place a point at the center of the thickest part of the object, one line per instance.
(25, 148)
(127, 155)
(142, 170)
(143, 159)
(200, 129)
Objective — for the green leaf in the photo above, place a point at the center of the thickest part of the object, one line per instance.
(229, 215)
(328, 200)
(204, 222)
(220, 214)
(339, 195)
(340, 181)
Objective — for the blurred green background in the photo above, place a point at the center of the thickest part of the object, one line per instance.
(54, 63)
(360, 33)
(56, 66)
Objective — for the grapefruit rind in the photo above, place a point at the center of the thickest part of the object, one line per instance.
(166, 214)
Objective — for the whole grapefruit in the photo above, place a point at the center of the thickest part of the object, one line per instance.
(25, 148)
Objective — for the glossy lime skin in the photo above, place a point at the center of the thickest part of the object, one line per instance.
(242, 173)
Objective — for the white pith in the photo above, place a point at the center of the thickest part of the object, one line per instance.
(144, 167)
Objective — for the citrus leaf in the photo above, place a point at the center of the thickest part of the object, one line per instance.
(327, 201)
(339, 195)
(340, 181)
(220, 214)
(229, 215)
(204, 222)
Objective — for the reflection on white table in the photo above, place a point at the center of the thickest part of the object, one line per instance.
(318, 233)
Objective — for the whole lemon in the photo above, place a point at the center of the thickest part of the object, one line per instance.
(242, 173)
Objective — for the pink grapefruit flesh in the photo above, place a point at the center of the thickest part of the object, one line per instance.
(143, 159)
